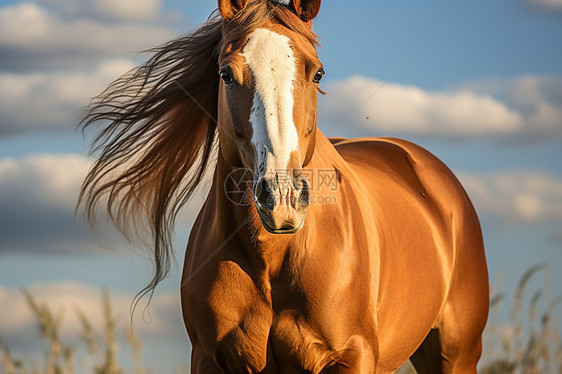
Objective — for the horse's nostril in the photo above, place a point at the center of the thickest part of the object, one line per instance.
(264, 196)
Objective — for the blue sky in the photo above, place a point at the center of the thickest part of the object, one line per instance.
(478, 83)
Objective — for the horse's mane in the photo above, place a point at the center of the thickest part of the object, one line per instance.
(159, 129)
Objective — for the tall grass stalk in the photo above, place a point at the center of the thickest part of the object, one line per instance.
(529, 346)
(59, 358)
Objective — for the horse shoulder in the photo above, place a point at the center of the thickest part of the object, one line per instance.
(227, 315)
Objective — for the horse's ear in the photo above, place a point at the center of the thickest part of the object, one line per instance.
(306, 9)
(229, 8)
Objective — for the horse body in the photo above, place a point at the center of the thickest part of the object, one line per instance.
(382, 264)
(337, 295)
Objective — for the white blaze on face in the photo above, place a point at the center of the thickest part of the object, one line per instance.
(272, 62)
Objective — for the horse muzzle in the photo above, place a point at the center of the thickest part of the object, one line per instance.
(281, 201)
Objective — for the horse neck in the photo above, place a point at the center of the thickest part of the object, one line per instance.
(240, 222)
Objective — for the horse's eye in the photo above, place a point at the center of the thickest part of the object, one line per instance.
(319, 74)
(226, 75)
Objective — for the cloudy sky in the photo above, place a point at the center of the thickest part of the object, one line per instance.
(479, 84)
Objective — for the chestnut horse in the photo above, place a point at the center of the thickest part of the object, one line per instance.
(351, 256)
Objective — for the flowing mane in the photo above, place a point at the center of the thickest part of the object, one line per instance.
(158, 130)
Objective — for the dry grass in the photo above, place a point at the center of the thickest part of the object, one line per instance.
(59, 358)
(527, 344)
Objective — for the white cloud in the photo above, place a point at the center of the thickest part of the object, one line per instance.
(546, 4)
(38, 195)
(516, 196)
(471, 110)
(35, 36)
(43, 101)
(58, 54)
(128, 9)
(19, 325)
(537, 99)
(120, 10)
(27, 25)
(49, 180)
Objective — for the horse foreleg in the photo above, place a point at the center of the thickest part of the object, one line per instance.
(203, 364)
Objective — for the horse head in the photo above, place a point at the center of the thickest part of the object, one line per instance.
(267, 103)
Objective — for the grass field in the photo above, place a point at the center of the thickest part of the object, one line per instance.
(526, 340)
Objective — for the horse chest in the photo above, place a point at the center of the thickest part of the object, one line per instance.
(246, 334)
(286, 344)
